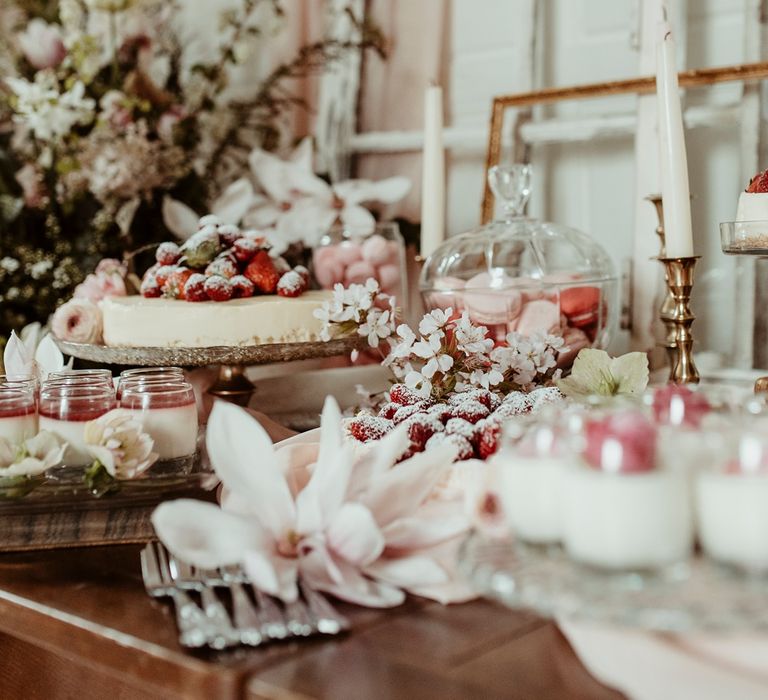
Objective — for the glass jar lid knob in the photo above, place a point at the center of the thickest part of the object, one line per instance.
(511, 185)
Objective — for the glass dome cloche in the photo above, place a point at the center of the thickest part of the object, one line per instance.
(523, 275)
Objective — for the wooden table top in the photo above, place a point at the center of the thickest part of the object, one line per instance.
(78, 624)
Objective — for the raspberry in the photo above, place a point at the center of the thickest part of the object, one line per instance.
(163, 273)
(194, 289)
(421, 427)
(406, 412)
(229, 233)
(459, 426)
(291, 284)
(488, 439)
(261, 271)
(399, 393)
(224, 267)
(442, 411)
(149, 286)
(470, 410)
(218, 288)
(388, 410)
(243, 287)
(759, 183)
(366, 428)
(463, 446)
(167, 253)
(244, 249)
(174, 285)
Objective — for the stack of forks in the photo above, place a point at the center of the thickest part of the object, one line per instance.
(203, 618)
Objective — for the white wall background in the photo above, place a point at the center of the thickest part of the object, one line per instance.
(591, 185)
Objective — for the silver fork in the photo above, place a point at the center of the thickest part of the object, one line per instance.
(327, 619)
(190, 619)
(222, 633)
(272, 623)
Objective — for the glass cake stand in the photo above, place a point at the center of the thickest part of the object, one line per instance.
(231, 383)
(701, 596)
(746, 238)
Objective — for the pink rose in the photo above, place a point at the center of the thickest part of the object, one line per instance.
(77, 321)
(42, 44)
(107, 281)
(31, 182)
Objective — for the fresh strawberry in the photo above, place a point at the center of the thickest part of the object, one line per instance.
(303, 272)
(218, 288)
(484, 396)
(406, 412)
(261, 271)
(194, 289)
(421, 427)
(442, 411)
(488, 438)
(460, 426)
(759, 183)
(388, 410)
(209, 220)
(201, 248)
(167, 253)
(222, 266)
(366, 428)
(463, 446)
(546, 396)
(244, 249)
(149, 286)
(174, 285)
(399, 393)
(519, 403)
(291, 284)
(243, 287)
(163, 273)
(470, 410)
(229, 233)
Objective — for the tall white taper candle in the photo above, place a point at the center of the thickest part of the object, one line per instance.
(673, 161)
(433, 173)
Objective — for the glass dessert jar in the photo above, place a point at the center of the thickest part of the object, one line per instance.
(18, 412)
(350, 256)
(64, 409)
(523, 275)
(167, 412)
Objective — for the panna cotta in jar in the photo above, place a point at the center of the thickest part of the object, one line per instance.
(732, 505)
(167, 412)
(621, 511)
(66, 408)
(530, 473)
(18, 413)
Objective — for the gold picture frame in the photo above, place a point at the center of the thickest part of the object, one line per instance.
(642, 85)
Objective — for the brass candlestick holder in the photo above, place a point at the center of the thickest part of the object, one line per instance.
(680, 282)
(667, 309)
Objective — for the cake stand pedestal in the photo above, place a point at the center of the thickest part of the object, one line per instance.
(746, 238)
(231, 383)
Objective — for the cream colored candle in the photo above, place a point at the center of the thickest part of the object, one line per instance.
(672, 155)
(433, 173)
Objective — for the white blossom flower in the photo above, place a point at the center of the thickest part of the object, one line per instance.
(492, 377)
(31, 457)
(430, 349)
(419, 383)
(118, 441)
(42, 44)
(377, 327)
(47, 113)
(471, 339)
(435, 321)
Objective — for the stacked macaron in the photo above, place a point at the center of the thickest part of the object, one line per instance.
(356, 260)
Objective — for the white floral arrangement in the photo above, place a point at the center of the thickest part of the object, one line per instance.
(360, 309)
(30, 458)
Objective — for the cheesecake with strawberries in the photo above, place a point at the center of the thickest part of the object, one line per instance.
(220, 288)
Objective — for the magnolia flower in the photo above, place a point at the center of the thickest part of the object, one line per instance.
(118, 441)
(361, 528)
(32, 457)
(42, 44)
(77, 321)
(107, 281)
(29, 356)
